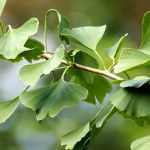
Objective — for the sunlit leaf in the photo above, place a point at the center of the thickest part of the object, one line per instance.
(7, 108)
(87, 39)
(115, 51)
(30, 74)
(54, 98)
(141, 143)
(131, 58)
(13, 41)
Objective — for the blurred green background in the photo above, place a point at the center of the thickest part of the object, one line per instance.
(22, 132)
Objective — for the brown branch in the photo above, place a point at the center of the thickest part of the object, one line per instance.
(89, 69)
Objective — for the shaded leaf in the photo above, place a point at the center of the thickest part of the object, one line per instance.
(7, 108)
(13, 41)
(54, 98)
(141, 143)
(105, 112)
(30, 74)
(133, 102)
(36, 47)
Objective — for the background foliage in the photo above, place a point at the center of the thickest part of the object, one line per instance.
(25, 133)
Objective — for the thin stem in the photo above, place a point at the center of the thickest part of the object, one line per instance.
(88, 69)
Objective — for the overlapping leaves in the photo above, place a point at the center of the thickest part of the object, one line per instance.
(12, 42)
(132, 58)
(49, 101)
(31, 73)
(134, 98)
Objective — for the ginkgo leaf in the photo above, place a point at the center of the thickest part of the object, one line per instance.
(30, 74)
(72, 138)
(54, 98)
(2, 5)
(131, 58)
(36, 51)
(13, 41)
(105, 112)
(141, 143)
(86, 39)
(7, 108)
(134, 102)
(115, 51)
(87, 36)
(137, 82)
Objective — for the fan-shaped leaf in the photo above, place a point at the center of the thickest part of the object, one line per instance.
(31, 73)
(86, 39)
(131, 58)
(7, 108)
(134, 102)
(75, 136)
(13, 41)
(54, 98)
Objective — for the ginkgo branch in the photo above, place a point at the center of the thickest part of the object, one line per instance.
(104, 73)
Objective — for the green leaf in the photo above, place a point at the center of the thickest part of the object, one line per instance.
(73, 118)
(133, 102)
(13, 41)
(2, 5)
(7, 108)
(75, 136)
(105, 112)
(30, 74)
(97, 85)
(145, 44)
(36, 51)
(54, 98)
(115, 51)
(141, 143)
(86, 39)
(137, 82)
(87, 36)
(131, 58)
